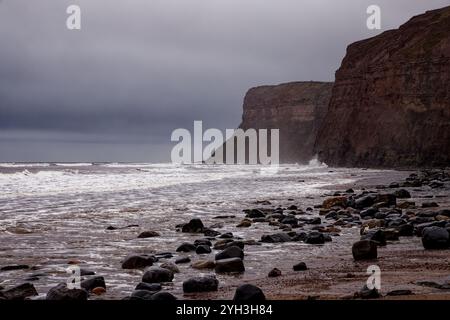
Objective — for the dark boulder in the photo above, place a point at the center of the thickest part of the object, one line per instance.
(154, 287)
(249, 293)
(203, 249)
(274, 273)
(92, 283)
(186, 247)
(163, 296)
(157, 275)
(301, 266)
(376, 235)
(315, 237)
(200, 284)
(435, 238)
(61, 292)
(232, 265)
(230, 252)
(364, 250)
(193, 226)
(138, 261)
(276, 238)
(20, 292)
(402, 194)
(148, 234)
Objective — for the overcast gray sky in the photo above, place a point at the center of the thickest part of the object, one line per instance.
(138, 69)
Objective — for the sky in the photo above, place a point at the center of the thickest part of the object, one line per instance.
(138, 69)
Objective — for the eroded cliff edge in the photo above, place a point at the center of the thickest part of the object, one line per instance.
(296, 109)
(390, 104)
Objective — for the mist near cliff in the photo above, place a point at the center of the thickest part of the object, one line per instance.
(138, 69)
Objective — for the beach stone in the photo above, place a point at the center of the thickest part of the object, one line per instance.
(20, 292)
(235, 265)
(157, 275)
(186, 247)
(154, 287)
(204, 264)
(170, 266)
(15, 267)
(402, 194)
(230, 252)
(203, 249)
(366, 293)
(376, 235)
(249, 293)
(276, 238)
(138, 261)
(369, 212)
(202, 242)
(200, 284)
(364, 250)
(388, 198)
(291, 220)
(193, 226)
(405, 230)
(364, 202)
(148, 234)
(183, 260)
(407, 205)
(255, 213)
(86, 272)
(223, 244)
(163, 296)
(210, 232)
(61, 292)
(92, 283)
(142, 295)
(335, 202)
(315, 237)
(430, 205)
(244, 224)
(274, 273)
(301, 266)
(400, 292)
(98, 291)
(435, 238)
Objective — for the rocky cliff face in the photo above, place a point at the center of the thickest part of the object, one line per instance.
(390, 104)
(296, 108)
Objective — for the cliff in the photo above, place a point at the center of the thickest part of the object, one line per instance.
(296, 108)
(390, 104)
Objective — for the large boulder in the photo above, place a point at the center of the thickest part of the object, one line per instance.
(364, 250)
(157, 275)
(435, 238)
(61, 292)
(193, 226)
(200, 284)
(231, 265)
(276, 238)
(230, 252)
(20, 292)
(138, 261)
(249, 293)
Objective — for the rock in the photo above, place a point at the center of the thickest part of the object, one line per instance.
(183, 260)
(193, 226)
(186, 247)
(170, 266)
(375, 235)
(200, 284)
(369, 212)
(394, 185)
(98, 291)
(92, 283)
(223, 244)
(292, 207)
(400, 292)
(210, 232)
(20, 292)
(335, 202)
(15, 267)
(230, 252)
(274, 273)
(204, 242)
(276, 238)
(226, 235)
(203, 249)
(148, 234)
(366, 293)
(364, 250)
(244, 224)
(387, 199)
(157, 275)
(430, 205)
(232, 265)
(249, 293)
(435, 238)
(138, 261)
(61, 292)
(391, 234)
(436, 184)
(315, 237)
(154, 287)
(402, 194)
(385, 89)
(364, 202)
(204, 264)
(142, 295)
(255, 213)
(301, 266)
(163, 296)
(291, 220)
(405, 230)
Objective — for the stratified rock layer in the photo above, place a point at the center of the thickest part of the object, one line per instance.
(390, 104)
(296, 109)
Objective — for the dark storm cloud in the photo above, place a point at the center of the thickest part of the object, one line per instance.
(139, 69)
